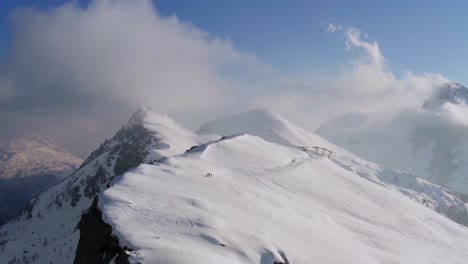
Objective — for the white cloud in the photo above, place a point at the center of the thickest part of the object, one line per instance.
(371, 50)
(365, 85)
(456, 113)
(108, 58)
(353, 40)
(332, 27)
(93, 66)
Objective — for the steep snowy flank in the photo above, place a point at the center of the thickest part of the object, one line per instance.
(266, 203)
(46, 232)
(274, 128)
(27, 166)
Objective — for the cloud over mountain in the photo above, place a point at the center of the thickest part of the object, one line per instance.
(74, 71)
(365, 84)
(86, 65)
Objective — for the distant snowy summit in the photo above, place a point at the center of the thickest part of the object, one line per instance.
(29, 157)
(422, 140)
(451, 92)
(266, 124)
(27, 166)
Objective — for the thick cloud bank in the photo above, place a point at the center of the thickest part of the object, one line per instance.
(76, 71)
(418, 123)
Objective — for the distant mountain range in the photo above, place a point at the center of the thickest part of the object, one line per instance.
(27, 166)
(252, 188)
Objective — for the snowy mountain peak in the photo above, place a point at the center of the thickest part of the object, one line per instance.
(266, 124)
(139, 116)
(146, 115)
(261, 117)
(451, 92)
(264, 114)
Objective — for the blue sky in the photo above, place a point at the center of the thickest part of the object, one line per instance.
(420, 36)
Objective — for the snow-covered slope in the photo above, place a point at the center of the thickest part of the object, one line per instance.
(424, 142)
(27, 166)
(267, 203)
(274, 128)
(46, 231)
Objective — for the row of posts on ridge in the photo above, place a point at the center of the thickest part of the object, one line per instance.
(319, 151)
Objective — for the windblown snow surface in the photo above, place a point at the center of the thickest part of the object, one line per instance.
(274, 203)
(274, 128)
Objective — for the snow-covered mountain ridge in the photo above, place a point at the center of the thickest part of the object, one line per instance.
(275, 128)
(266, 201)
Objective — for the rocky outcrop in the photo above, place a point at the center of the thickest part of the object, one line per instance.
(97, 242)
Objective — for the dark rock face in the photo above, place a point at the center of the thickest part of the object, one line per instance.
(269, 258)
(125, 150)
(132, 148)
(97, 243)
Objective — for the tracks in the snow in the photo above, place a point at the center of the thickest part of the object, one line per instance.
(191, 226)
(268, 178)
